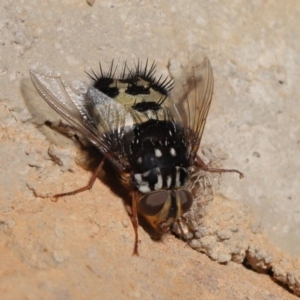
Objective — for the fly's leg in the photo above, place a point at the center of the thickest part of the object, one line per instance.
(180, 223)
(87, 187)
(200, 163)
(135, 223)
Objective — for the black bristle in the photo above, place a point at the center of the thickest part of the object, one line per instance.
(131, 76)
(104, 81)
(123, 73)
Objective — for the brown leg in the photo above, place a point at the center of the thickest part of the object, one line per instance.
(203, 166)
(184, 236)
(88, 186)
(135, 222)
(178, 221)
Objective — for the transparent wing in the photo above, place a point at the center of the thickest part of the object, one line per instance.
(91, 112)
(195, 104)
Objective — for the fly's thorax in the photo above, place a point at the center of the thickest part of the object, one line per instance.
(158, 155)
(162, 208)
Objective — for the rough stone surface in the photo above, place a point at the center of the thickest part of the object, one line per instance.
(80, 247)
(229, 232)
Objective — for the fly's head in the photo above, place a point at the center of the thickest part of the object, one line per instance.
(162, 208)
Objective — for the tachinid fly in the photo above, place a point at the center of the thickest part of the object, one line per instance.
(135, 124)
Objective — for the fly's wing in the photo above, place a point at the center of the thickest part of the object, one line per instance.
(92, 113)
(113, 121)
(195, 104)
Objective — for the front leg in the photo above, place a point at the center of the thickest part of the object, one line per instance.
(135, 221)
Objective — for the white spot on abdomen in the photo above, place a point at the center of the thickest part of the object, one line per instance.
(169, 181)
(157, 153)
(144, 189)
(177, 178)
(138, 178)
(159, 183)
(173, 152)
(143, 185)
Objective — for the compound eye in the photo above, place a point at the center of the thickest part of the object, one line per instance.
(151, 204)
(186, 199)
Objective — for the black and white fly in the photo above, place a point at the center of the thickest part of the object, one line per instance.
(135, 124)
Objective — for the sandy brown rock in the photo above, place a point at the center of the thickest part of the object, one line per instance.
(80, 247)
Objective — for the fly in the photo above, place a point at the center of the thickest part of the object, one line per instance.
(135, 124)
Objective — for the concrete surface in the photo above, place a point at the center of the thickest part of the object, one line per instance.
(80, 247)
